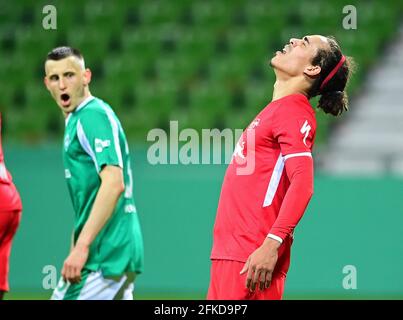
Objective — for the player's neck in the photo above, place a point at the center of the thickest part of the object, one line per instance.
(283, 88)
(86, 95)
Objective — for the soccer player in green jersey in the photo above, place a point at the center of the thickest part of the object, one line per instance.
(107, 245)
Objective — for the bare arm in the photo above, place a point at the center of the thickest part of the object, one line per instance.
(111, 188)
(72, 242)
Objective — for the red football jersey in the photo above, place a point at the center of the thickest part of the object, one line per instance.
(9, 197)
(255, 184)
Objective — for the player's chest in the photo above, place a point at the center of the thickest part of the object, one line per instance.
(72, 147)
(260, 131)
(257, 137)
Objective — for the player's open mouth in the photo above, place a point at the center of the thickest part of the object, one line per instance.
(282, 51)
(65, 99)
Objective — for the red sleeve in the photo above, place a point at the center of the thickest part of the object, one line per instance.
(300, 173)
(9, 196)
(5, 176)
(294, 129)
(1, 148)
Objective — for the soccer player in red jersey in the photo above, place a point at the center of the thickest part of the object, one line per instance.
(10, 215)
(269, 182)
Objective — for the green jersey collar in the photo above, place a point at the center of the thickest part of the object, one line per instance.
(80, 106)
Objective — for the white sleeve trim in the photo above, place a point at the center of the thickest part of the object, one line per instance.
(301, 154)
(274, 181)
(85, 144)
(272, 236)
(115, 132)
(3, 172)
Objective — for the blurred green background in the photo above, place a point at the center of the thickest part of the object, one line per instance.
(204, 64)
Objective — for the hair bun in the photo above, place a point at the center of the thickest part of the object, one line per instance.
(333, 102)
(333, 93)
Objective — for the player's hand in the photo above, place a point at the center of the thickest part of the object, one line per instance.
(260, 265)
(74, 263)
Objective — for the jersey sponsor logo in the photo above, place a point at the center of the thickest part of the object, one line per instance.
(254, 124)
(305, 129)
(130, 208)
(67, 142)
(239, 149)
(100, 145)
(3, 172)
(67, 174)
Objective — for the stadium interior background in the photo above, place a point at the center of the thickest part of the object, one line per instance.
(204, 64)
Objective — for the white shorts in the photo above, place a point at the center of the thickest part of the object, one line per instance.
(94, 286)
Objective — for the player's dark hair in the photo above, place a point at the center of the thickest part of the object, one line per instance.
(334, 99)
(60, 53)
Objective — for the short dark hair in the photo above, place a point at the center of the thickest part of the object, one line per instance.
(60, 53)
(334, 99)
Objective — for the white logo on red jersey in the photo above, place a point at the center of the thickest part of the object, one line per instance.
(239, 149)
(305, 130)
(254, 124)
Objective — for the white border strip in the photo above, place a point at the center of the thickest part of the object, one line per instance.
(272, 236)
(3, 172)
(274, 181)
(85, 102)
(301, 154)
(85, 144)
(80, 106)
(115, 132)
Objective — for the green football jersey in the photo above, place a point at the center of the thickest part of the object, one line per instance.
(93, 139)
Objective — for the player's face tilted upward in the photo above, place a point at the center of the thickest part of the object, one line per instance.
(254, 227)
(296, 57)
(67, 81)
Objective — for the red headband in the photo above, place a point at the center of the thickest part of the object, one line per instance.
(333, 72)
